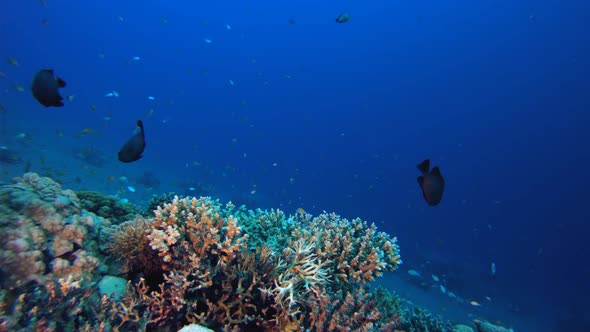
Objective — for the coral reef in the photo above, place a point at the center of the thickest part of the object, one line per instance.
(45, 233)
(107, 206)
(484, 326)
(410, 317)
(194, 261)
(215, 274)
(49, 256)
(353, 251)
(270, 228)
(158, 200)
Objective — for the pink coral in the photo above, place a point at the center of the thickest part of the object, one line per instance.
(43, 217)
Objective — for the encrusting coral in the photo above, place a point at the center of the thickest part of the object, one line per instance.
(44, 233)
(49, 256)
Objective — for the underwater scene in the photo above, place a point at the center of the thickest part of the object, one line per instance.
(295, 165)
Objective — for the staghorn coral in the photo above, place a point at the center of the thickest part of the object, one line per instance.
(211, 273)
(353, 251)
(266, 227)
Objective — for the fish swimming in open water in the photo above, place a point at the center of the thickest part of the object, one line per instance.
(45, 88)
(343, 18)
(431, 182)
(133, 149)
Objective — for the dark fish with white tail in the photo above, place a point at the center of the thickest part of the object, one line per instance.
(133, 149)
(431, 182)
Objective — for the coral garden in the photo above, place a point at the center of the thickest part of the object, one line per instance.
(193, 260)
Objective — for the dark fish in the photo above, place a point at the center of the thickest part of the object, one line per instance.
(343, 18)
(45, 88)
(134, 147)
(432, 183)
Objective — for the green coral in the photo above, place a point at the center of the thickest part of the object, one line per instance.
(410, 317)
(270, 228)
(158, 200)
(107, 207)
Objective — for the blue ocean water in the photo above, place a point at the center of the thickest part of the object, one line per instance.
(274, 104)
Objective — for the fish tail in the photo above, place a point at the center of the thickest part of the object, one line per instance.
(424, 166)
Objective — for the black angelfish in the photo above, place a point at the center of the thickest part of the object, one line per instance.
(134, 147)
(45, 88)
(432, 183)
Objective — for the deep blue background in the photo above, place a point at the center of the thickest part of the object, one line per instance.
(494, 92)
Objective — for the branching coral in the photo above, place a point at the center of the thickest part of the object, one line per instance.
(266, 227)
(353, 251)
(130, 244)
(214, 274)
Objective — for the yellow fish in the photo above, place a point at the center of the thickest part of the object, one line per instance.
(88, 131)
(301, 211)
(19, 87)
(475, 303)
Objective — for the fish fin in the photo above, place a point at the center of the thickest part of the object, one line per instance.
(436, 171)
(61, 83)
(140, 124)
(421, 181)
(424, 166)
